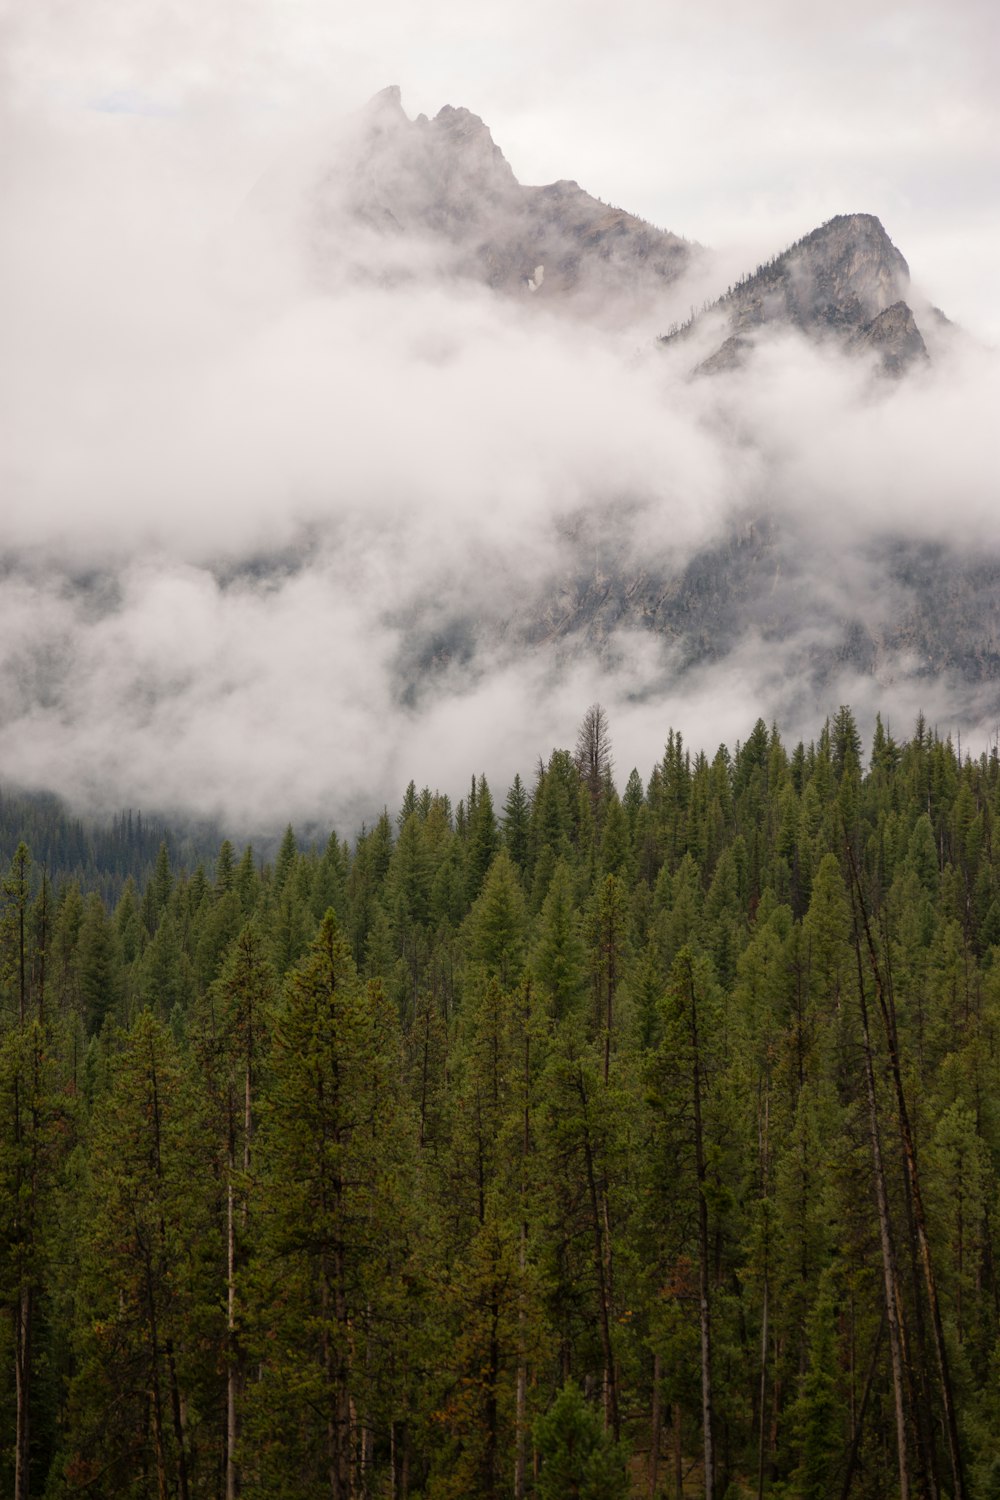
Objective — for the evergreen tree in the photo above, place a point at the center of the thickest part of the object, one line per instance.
(332, 1136)
(516, 824)
(579, 1461)
(142, 1304)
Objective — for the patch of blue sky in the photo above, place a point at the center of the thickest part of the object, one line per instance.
(131, 102)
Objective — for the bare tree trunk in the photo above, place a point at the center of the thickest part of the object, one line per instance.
(889, 1275)
(22, 1375)
(338, 1415)
(766, 1292)
(520, 1400)
(762, 1432)
(612, 988)
(234, 1375)
(177, 1414)
(424, 1070)
(42, 943)
(232, 1483)
(23, 1319)
(887, 1010)
(611, 1416)
(393, 1492)
(704, 1292)
(859, 1425)
(521, 1392)
(156, 1397)
(176, 1409)
(22, 985)
(654, 1431)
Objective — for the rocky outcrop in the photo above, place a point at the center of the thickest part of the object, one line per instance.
(845, 281)
(838, 277)
(895, 338)
(445, 186)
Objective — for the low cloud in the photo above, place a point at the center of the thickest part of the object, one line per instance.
(270, 552)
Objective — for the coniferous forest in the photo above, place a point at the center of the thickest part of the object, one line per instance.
(587, 1144)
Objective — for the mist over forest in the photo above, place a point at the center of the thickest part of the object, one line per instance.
(298, 512)
(499, 751)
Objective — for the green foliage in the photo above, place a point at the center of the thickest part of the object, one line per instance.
(578, 1459)
(354, 1173)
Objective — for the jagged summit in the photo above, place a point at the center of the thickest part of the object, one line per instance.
(396, 199)
(840, 280)
(443, 186)
(389, 98)
(894, 336)
(842, 274)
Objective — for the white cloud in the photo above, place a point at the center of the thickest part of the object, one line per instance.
(418, 463)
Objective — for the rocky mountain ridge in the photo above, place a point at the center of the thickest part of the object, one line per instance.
(443, 189)
(441, 192)
(845, 280)
(402, 197)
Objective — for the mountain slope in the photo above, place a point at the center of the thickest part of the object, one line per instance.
(846, 280)
(403, 197)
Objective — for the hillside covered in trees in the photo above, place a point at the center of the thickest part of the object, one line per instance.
(584, 1145)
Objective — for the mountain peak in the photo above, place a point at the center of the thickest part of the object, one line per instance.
(894, 336)
(837, 280)
(450, 114)
(838, 276)
(387, 101)
(444, 186)
(464, 135)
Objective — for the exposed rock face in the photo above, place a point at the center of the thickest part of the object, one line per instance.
(917, 611)
(437, 195)
(399, 199)
(445, 186)
(838, 277)
(895, 337)
(845, 280)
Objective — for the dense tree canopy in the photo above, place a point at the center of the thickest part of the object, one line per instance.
(565, 1144)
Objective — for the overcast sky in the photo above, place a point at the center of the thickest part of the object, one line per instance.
(723, 121)
(420, 455)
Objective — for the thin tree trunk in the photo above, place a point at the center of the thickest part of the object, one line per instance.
(887, 1010)
(704, 1293)
(156, 1397)
(521, 1388)
(766, 1294)
(22, 1372)
(654, 1430)
(424, 1073)
(177, 1413)
(859, 1425)
(762, 1430)
(326, 1355)
(176, 1409)
(889, 1275)
(520, 1399)
(234, 1376)
(232, 1481)
(612, 988)
(43, 938)
(611, 1416)
(493, 1377)
(22, 984)
(23, 1321)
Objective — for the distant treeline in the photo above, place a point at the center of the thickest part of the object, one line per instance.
(590, 1145)
(99, 855)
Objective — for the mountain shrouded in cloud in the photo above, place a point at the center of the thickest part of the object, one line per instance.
(397, 200)
(396, 476)
(845, 281)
